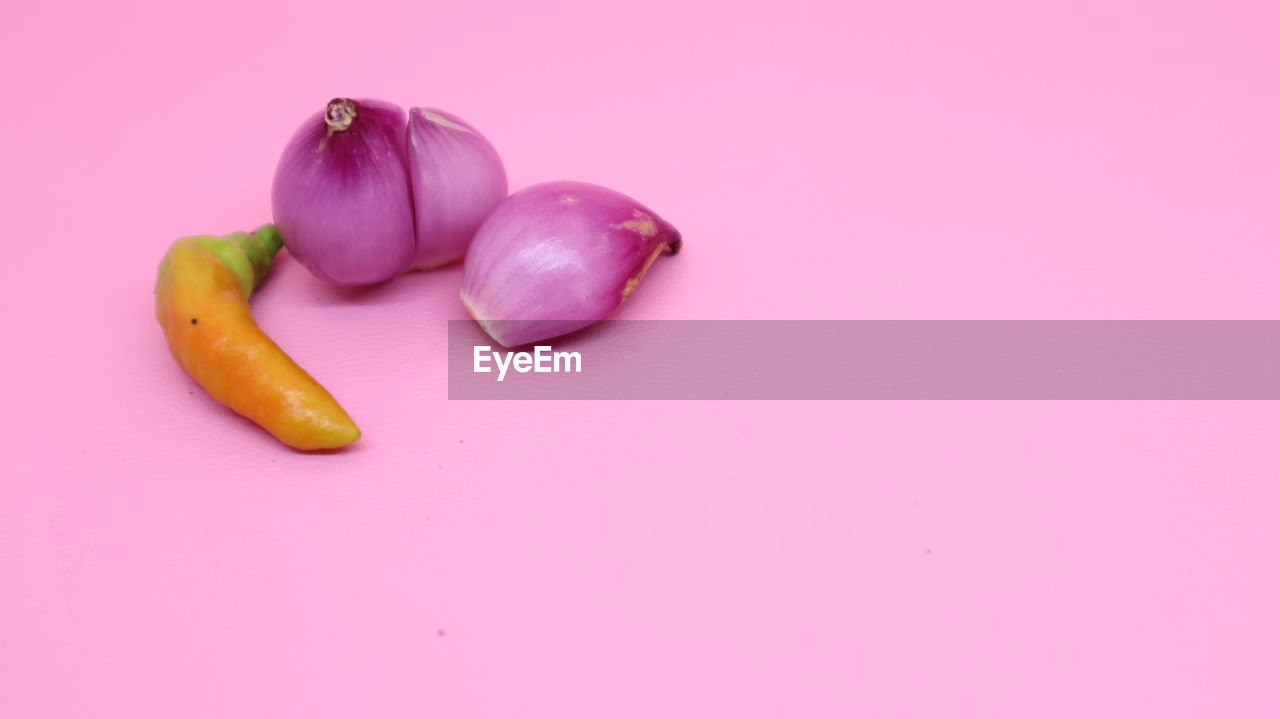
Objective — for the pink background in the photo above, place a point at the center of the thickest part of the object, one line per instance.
(160, 557)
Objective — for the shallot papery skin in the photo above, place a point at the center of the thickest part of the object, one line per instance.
(457, 180)
(556, 257)
(341, 193)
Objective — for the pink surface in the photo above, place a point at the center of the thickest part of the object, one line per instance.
(161, 557)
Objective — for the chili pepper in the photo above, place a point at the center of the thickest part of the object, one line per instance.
(202, 303)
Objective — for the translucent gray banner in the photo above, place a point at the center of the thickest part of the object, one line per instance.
(920, 359)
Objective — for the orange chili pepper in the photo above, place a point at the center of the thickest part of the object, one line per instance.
(202, 303)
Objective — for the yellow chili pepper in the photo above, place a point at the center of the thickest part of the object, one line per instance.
(202, 303)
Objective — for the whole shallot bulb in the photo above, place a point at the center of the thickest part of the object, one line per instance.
(363, 193)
